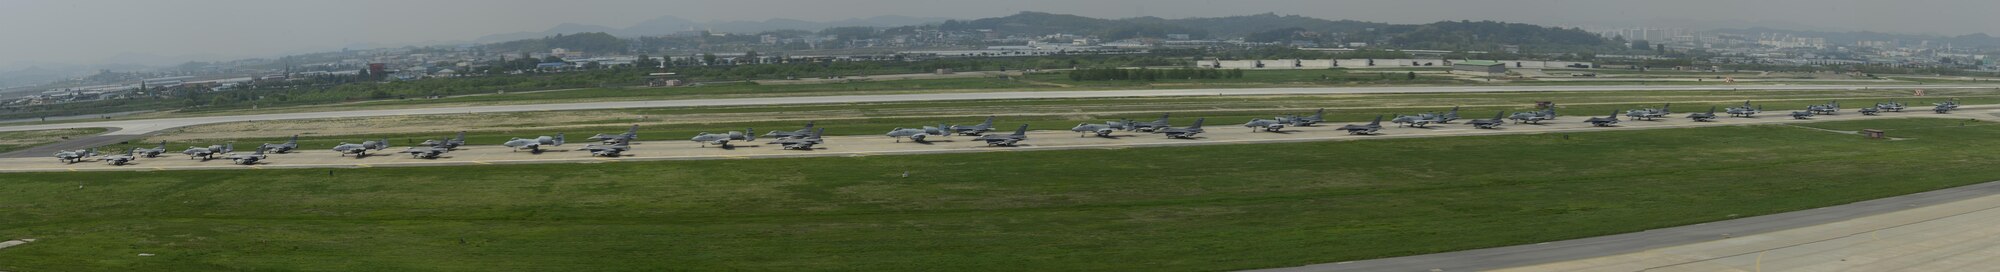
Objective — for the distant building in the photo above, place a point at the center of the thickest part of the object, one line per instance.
(1479, 68)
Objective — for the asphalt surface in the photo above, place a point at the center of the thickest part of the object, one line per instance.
(141, 127)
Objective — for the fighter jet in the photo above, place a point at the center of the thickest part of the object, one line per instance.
(629, 135)
(1704, 116)
(803, 142)
(120, 160)
(427, 151)
(74, 156)
(360, 150)
(974, 130)
(1369, 128)
(1184, 133)
(1806, 114)
(1150, 126)
(1102, 130)
(282, 148)
(1745, 110)
(1870, 110)
(151, 152)
(1304, 121)
(723, 139)
(1445, 118)
(1533, 117)
(206, 153)
(1414, 120)
(780, 134)
(1268, 125)
(614, 149)
(1020, 134)
(1650, 113)
(251, 159)
(1604, 121)
(447, 144)
(916, 134)
(1892, 106)
(1945, 107)
(1830, 107)
(1489, 123)
(534, 144)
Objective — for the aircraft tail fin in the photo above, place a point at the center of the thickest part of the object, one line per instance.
(1454, 109)
(294, 140)
(1498, 115)
(385, 144)
(163, 145)
(1164, 116)
(1378, 120)
(1197, 123)
(809, 124)
(228, 147)
(1023, 131)
(816, 133)
(1320, 114)
(988, 123)
(749, 134)
(559, 138)
(1711, 110)
(461, 135)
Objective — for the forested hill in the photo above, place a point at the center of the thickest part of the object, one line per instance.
(1448, 35)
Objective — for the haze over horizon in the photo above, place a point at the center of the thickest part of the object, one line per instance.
(95, 31)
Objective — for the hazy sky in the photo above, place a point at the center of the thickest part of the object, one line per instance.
(89, 31)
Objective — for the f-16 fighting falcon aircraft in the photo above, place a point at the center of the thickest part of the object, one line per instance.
(1150, 126)
(1869, 110)
(1892, 106)
(534, 144)
(286, 147)
(1369, 128)
(973, 130)
(433, 151)
(1802, 114)
(1533, 117)
(447, 144)
(151, 152)
(360, 150)
(629, 135)
(916, 134)
(1604, 121)
(1102, 130)
(614, 149)
(722, 139)
(251, 159)
(1415, 120)
(206, 153)
(1268, 125)
(1704, 116)
(121, 160)
(803, 142)
(1184, 133)
(1745, 110)
(1945, 107)
(780, 134)
(1830, 107)
(1650, 113)
(1020, 134)
(1490, 123)
(1304, 121)
(74, 156)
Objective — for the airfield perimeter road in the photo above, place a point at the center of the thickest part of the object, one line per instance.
(144, 126)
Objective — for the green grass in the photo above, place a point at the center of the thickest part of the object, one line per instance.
(17, 140)
(1154, 209)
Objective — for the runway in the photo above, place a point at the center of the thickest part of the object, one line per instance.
(144, 126)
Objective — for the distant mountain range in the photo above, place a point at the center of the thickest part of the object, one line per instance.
(670, 24)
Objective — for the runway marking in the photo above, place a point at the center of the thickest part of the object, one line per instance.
(1875, 234)
(736, 157)
(481, 162)
(363, 165)
(72, 169)
(256, 167)
(160, 168)
(1760, 261)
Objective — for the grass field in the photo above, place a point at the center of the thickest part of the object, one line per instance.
(1153, 209)
(16, 140)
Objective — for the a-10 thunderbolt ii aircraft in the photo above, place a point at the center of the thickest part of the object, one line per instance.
(1304, 121)
(1829, 108)
(1186, 132)
(1891, 106)
(1020, 134)
(1444, 118)
(780, 134)
(121, 160)
(973, 130)
(916, 134)
(1102, 130)
(1703, 116)
(1498, 119)
(1745, 110)
(723, 139)
(150, 152)
(629, 135)
(1150, 126)
(1415, 120)
(614, 149)
(448, 144)
(1650, 113)
(360, 150)
(534, 144)
(206, 153)
(802, 143)
(74, 156)
(1533, 117)
(1604, 121)
(285, 147)
(1267, 125)
(1945, 107)
(246, 159)
(1369, 128)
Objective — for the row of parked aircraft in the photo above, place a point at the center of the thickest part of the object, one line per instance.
(615, 145)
